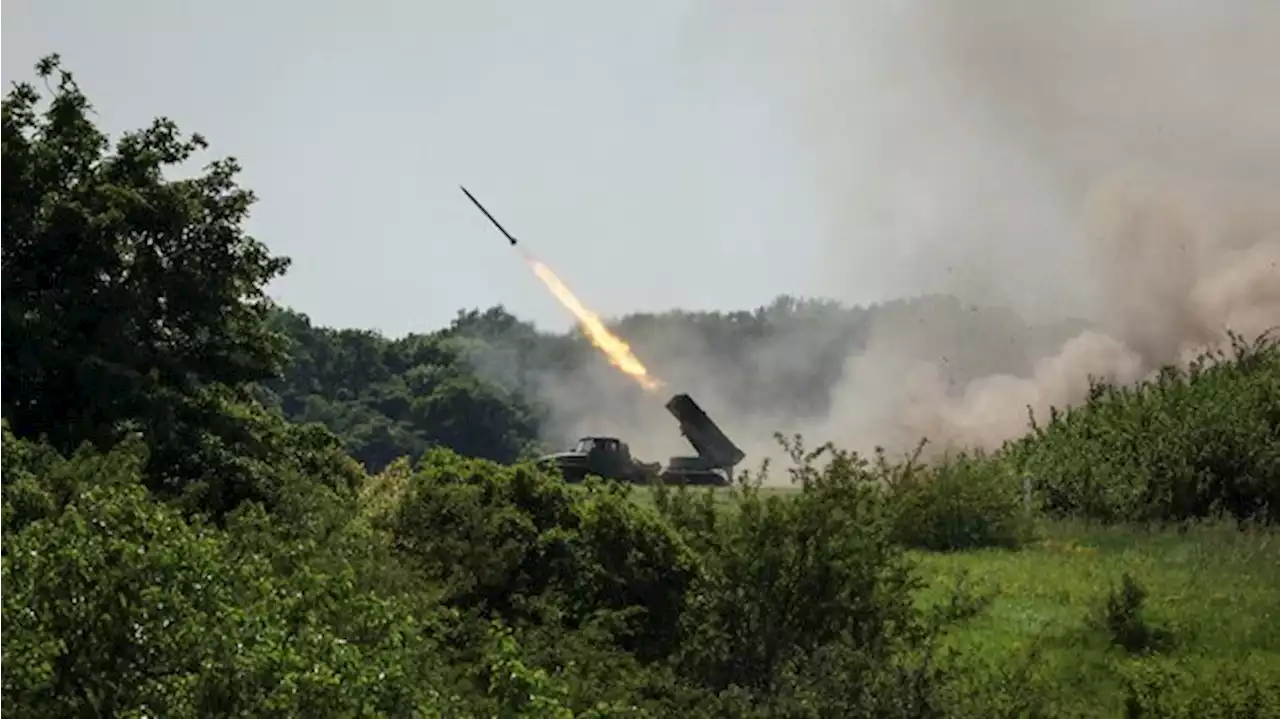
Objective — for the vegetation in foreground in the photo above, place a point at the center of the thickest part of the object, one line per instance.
(173, 546)
(1089, 620)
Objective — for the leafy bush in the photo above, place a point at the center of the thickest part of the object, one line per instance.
(1171, 689)
(521, 545)
(1121, 618)
(960, 502)
(120, 605)
(238, 452)
(25, 500)
(804, 601)
(755, 610)
(521, 690)
(790, 575)
(1187, 444)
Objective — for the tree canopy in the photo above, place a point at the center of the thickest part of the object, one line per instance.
(127, 293)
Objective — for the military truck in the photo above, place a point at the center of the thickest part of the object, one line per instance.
(607, 457)
(716, 454)
(611, 458)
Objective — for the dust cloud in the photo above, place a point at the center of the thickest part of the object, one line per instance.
(1108, 170)
(1112, 161)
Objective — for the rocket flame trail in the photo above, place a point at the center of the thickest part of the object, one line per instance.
(618, 352)
(614, 348)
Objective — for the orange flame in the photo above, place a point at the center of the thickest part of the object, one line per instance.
(618, 352)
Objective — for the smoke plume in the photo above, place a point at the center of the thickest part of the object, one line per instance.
(1108, 174)
(1113, 161)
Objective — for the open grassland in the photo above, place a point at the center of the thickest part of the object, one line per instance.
(1209, 616)
(1212, 608)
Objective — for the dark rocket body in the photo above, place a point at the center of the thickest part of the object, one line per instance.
(501, 229)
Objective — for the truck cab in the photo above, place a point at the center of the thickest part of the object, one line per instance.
(607, 457)
(608, 454)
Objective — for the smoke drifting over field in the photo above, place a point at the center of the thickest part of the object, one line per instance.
(1113, 162)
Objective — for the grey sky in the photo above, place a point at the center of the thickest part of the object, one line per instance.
(646, 168)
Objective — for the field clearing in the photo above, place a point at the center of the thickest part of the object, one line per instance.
(1215, 588)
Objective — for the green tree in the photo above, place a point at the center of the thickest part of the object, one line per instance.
(132, 301)
(398, 398)
(116, 604)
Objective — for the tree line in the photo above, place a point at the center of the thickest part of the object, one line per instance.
(476, 386)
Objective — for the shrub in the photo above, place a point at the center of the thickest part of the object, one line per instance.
(24, 499)
(1190, 443)
(804, 601)
(963, 501)
(521, 690)
(520, 545)
(232, 452)
(117, 604)
(1174, 689)
(1121, 617)
(38, 482)
(768, 607)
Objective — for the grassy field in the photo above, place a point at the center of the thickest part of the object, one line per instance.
(1212, 599)
(1214, 590)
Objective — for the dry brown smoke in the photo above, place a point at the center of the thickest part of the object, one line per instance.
(1112, 161)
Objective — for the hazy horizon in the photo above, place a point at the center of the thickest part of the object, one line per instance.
(1115, 162)
(624, 156)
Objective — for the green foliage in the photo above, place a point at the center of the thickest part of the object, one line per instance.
(523, 546)
(116, 604)
(240, 452)
(963, 501)
(804, 601)
(124, 292)
(1190, 443)
(35, 484)
(134, 304)
(1038, 649)
(1171, 689)
(785, 577)
(524, 692)
(771, 605)
(1121, 617)
(396, 398)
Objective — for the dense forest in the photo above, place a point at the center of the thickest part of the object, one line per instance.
(212, 507)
